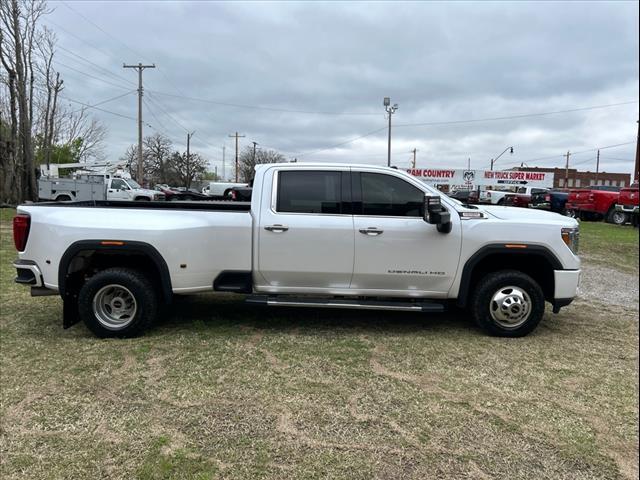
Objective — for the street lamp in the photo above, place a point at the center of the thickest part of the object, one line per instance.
(494, 160)
(390, 111)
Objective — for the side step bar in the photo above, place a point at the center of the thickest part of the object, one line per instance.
(356, 303)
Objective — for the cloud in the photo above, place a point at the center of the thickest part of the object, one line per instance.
(439, 61)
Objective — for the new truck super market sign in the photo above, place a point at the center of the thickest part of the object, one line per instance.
(462, 178)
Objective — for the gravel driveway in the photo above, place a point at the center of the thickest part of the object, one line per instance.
(607, 285)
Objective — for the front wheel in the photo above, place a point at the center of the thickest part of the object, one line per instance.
(118, 302)
(616, 217)
(507, 304)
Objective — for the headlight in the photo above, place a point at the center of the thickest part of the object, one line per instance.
(571, 236)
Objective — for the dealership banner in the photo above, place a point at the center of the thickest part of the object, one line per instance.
(461, 178)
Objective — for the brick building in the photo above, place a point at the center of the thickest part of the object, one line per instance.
(579, 179)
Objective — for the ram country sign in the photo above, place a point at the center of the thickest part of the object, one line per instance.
(462, 178)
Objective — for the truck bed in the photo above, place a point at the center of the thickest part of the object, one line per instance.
(218, 206)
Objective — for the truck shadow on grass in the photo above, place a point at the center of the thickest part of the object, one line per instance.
(213, 312)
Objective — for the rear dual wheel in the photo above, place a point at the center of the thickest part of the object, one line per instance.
(118, 302)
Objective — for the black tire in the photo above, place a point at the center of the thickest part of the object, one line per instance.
(615, 217)
(63, 198)
(501, 201)
(133, 281)
(490, 286)
(142, 199)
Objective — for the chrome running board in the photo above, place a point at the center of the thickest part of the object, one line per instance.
(356, 303)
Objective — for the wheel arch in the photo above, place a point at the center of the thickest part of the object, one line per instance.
(139, 254)
(534, 260)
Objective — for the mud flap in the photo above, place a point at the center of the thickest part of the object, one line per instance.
(70, 315)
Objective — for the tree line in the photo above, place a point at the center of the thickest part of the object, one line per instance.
(164, 164)
(37, 125)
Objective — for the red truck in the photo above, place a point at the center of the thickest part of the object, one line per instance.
(628, 203)
(596, 203)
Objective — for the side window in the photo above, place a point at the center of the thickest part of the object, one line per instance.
(538, 190)
(390, 196)
(309, 192)
(118, 184)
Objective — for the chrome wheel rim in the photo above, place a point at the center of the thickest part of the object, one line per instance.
(619, 218)
(510, 307)
(114, 306)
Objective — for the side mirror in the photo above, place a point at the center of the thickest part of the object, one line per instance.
(436, 214)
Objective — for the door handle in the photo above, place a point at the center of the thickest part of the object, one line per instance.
(371, 231)
(276, 228)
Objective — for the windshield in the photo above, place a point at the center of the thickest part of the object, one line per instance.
(132, 183)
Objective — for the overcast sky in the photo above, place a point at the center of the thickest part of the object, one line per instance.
(308, 79)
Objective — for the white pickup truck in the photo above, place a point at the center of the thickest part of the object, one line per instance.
(497, 197)
(314, 235)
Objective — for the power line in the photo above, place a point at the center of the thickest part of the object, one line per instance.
(114, 75)
(512, 117)
(261, 107)
(91, 76)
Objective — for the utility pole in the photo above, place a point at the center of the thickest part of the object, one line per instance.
(236, 136)
(254, 152)
(413, 164)
(494, 160)
(469, 163)
(140, 67)
(189, 135)
(566, 169)
(390, 111)
(597, 166)
(223, 152)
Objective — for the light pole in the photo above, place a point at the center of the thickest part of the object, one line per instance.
(390, 111)
(494, 160)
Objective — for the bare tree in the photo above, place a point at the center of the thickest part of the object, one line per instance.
(157, 154)
(77, 126)
(19, 26)
(247, 161)
(188, 168)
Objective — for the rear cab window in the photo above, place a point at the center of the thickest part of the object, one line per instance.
(311, 191)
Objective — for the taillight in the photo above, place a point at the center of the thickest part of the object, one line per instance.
(234, 195)
(21, 224)
(547, 198)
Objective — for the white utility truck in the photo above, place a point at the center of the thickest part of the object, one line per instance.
(91, 181)
(497, 197)
(313, 235)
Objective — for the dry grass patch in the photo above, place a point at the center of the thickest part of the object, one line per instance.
(223, 390)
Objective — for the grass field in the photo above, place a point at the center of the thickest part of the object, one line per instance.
(222, 390)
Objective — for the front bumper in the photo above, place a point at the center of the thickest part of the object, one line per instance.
(627, 208)
(567, 285)
(28, 273)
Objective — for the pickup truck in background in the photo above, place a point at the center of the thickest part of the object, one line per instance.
(552, 200)
(221, 190)
(595, 204)
(498, 197)
(628, 203)
(314, 235)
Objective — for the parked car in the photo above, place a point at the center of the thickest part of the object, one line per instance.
(628, 203)
(314, 235)
(461, 195)
(522, 196)
(595, 204)
(173, 194)
(552, 200)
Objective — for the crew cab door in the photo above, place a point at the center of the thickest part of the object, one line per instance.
(305, 231)
(118, 190)
(396, 252)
